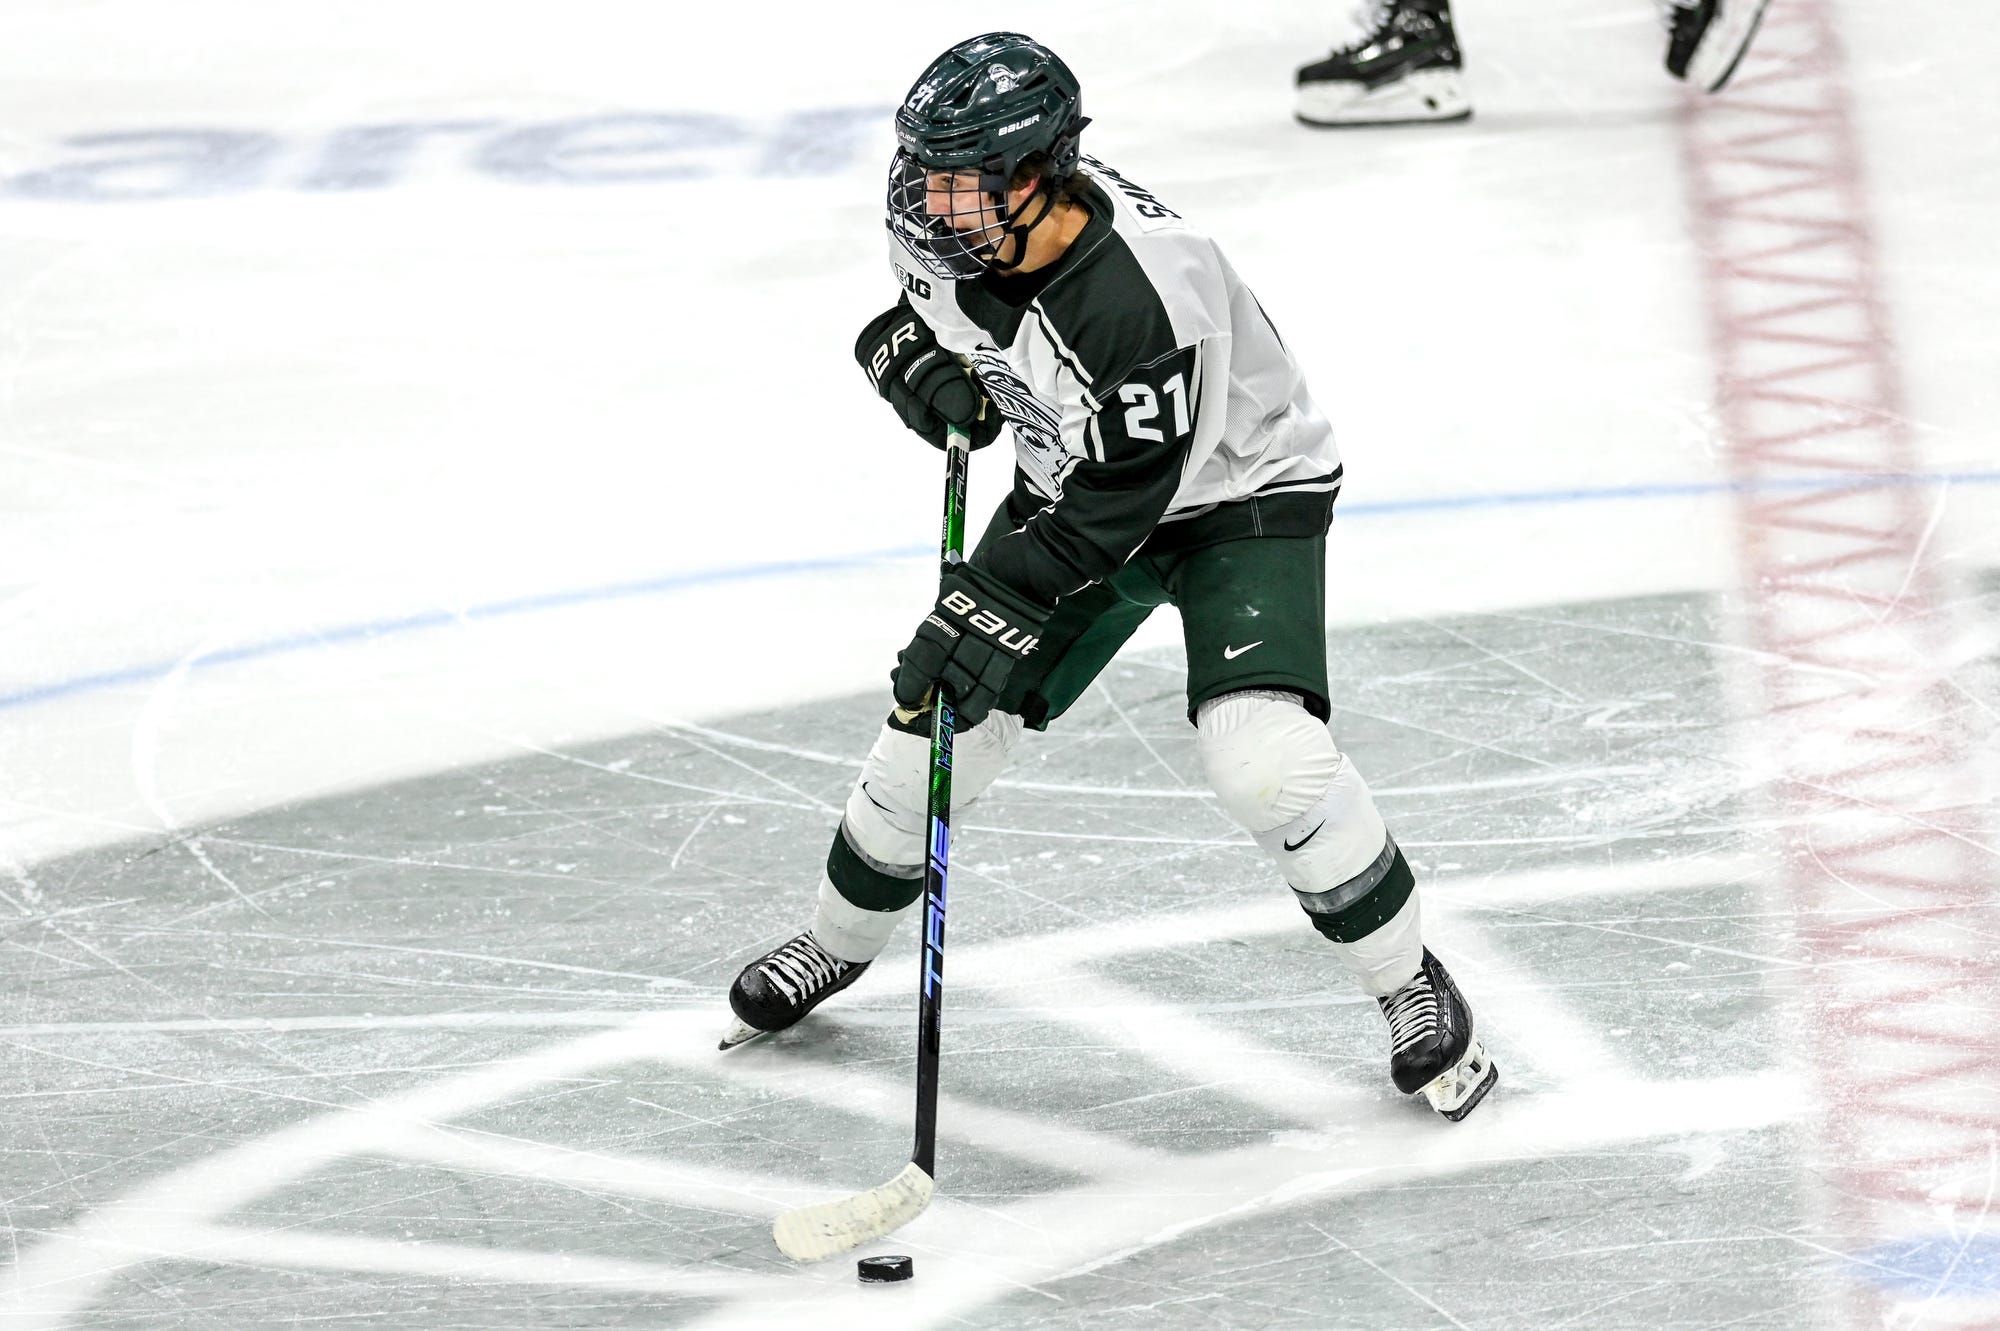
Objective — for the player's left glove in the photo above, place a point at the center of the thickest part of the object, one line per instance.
(924, 383)
(970, 642)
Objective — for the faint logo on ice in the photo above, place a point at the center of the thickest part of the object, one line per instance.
(636, 147)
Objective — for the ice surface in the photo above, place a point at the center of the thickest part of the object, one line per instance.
(409, 429)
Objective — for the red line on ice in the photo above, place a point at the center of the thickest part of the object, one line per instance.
(1887, 874)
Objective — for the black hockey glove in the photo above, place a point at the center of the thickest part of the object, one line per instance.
(924, 383)
(969, 643)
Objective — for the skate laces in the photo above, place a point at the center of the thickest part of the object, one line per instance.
(1369, 20)
(1412, 1012)
(1369, 16)
(801, 966)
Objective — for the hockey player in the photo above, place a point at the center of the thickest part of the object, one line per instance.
(1406, 67)
(1167, 453)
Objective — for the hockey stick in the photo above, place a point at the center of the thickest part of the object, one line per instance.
(813, 1233)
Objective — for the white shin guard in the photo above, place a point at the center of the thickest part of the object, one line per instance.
(889, 805)
(884, 824)
(1281, 778)
(847, 930)
(1384, 961)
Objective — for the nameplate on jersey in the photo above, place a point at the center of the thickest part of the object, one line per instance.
(1145, 206)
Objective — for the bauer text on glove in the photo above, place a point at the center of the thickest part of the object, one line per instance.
(972, 639)
(924, 383)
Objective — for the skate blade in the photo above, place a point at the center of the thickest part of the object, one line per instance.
(742, 1032)
(1426, 96)
(1458, 1092)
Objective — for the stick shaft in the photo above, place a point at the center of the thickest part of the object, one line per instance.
(813, 1233)
(937, 860)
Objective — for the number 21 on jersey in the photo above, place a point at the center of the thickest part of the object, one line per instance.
(1143, 407)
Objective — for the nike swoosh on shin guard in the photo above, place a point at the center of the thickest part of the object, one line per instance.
(1344, 840)
(1294, 845)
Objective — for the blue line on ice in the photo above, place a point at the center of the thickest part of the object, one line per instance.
(672, 582)
(1966, 1266)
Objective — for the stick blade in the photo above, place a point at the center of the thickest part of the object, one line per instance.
(825, 1229)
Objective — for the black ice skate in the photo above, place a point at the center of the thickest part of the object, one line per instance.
(1406, 69)
(783, 985)
(1431, 1044)
(1706, 39)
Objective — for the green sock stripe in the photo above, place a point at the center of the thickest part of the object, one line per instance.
(868, 884)
(1372, 910)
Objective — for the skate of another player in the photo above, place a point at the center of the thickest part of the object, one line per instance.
(1406, 66)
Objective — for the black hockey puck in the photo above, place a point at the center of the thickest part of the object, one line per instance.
(882, 1270)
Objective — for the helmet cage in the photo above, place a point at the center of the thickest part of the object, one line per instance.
(953, 251)
(962, 241)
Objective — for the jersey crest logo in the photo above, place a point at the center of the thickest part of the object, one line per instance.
(1037, 429)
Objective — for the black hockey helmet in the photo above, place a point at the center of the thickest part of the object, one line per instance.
(983, 106)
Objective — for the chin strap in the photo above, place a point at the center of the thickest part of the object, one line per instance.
(1014, 229)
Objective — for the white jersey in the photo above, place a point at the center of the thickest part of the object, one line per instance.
(1152, 403)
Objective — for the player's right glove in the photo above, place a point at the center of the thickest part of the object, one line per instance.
(924, 383)
(970, 643)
